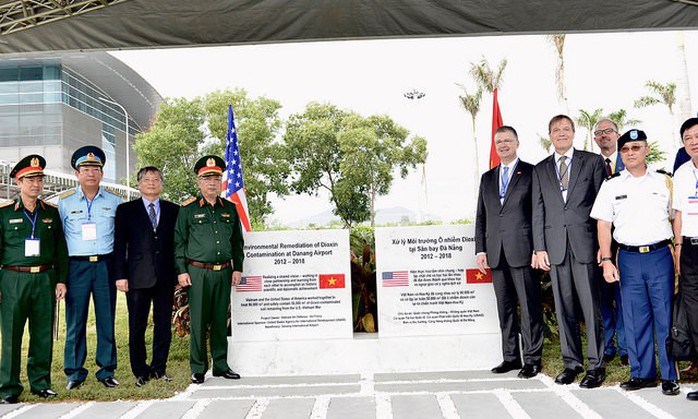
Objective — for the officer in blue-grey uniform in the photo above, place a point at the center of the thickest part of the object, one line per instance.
(87, 213)
(637, 202)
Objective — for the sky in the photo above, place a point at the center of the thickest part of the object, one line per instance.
(370, 77)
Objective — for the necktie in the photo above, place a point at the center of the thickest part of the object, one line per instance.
(609, 170)
(564, 175)
(153, 217)
(505, 182)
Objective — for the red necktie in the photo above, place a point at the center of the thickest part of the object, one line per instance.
(609, 170)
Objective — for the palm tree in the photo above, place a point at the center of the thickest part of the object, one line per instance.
(588, 120)
(683, 95)
(661, 93)
(558, 42)
(545, 142)
(620, 118)
(487, 78)
(471, 103)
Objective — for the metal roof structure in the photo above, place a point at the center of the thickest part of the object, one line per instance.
(68, 25)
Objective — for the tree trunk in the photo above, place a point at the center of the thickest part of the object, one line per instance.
(476, 170)
(683, 89)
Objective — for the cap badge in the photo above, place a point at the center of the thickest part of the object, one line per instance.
(633, 135)
(90, 155)
(210, 162)
(34, 162)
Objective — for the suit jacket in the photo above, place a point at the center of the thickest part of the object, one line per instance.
(505, 226)
(141, 255)
(555, 222)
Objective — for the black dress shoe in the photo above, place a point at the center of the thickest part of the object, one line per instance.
(74, 384)
(593, 379)
(141, 381)
(155, 375)
(692, 395)
(109, 382)
(529, 371)
(608, 358)
(568, 375)
(624, 360)
(230, 375)
(507, 366)
(45, 394)
(10, 399)
(670, 387)
(197, 378)
(638, 383)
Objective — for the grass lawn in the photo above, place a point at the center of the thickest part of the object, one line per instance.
(177, 365)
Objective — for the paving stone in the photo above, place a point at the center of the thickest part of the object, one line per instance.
(352, 408)
(167, 409)
(610, 403)
(464, 386)
(229, 409)
(301, 379)
(479, 405)
(678, 406)
(417, 406)
(442, 375)
(289, 409)
(274, 391)
(544, 405)
(106, 410)
(49, 410)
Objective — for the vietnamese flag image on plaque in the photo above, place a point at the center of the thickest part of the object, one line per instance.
(474, 276)
(331, 281)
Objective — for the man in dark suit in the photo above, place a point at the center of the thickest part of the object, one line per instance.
(145, 270)
(503, 241)
(564, 237)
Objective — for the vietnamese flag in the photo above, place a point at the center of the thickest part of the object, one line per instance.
(497, 122)
(332, 281)
(474, 276)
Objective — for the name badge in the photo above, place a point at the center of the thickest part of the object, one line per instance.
(31, 247)
(89, 231)
(691, 207)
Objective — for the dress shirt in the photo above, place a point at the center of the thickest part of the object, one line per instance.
(156, 207)
(685, 182)
(74, 213)
(512, 167)
(637, 206)
(569, 154)
(614, 161)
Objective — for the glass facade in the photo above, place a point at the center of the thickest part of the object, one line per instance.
(109, 148)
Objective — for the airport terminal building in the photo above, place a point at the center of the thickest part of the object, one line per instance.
(52, 104)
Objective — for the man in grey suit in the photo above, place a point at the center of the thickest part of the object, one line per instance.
(504, 242)
(565, 185)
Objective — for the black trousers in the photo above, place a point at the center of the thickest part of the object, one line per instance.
(138, 301)
(689, 286)
(512, 284)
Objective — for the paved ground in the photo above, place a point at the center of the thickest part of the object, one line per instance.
(449, 395)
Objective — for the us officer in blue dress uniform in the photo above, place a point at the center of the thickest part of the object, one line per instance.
(87, 213)
(637, 202)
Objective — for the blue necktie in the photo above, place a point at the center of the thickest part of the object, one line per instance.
(505, 182)
(152, 215)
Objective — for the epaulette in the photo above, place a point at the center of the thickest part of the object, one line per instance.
(188, 201)
(612, 176)
(6, 204)
(664, 172)
(50, 204)
(66, 193)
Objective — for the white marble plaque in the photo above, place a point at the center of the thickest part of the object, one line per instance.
(296, 285)
(428, 283)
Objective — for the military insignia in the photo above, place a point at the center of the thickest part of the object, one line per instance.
(210, 162)
(6, 204)
(34, 162)
(107, 208)
(76, 212)
(612, 176)
(16, 221)
(188, 201)
(197, 216)
(664, 172)
(66, 194)
(225, 215)
(619, 197)
(47, 220)
(90, 155)
(633, 135)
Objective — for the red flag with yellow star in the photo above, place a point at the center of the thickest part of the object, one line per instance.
(331, 281)
(474, 276)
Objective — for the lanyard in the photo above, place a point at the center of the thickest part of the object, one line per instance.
(33, 222)
(695, 192)
(505, 186)
(561, 175)
(89, 207)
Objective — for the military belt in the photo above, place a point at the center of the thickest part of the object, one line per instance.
(645, 249)
(30, 269)
(213, 267)
(693, 241)
(92, 258)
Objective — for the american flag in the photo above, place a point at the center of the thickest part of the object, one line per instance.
(396, 279)
(233, 187)
(250, 284)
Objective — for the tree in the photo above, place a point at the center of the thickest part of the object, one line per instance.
(664, 94)
(545, 142)
(588, 120)
(185, 130)
(471, 103)
(558, 42)
(351, 157)
(620, 117)
(487, 78)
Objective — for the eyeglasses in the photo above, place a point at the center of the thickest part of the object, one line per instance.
(606, 131)
(633, 148)
(504, 141)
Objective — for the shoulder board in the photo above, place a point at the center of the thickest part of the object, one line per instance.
(664, 172)
(49, 204)
(612, 176)
(6, 204)
(111, 191)
(66, 193)
(188, 201)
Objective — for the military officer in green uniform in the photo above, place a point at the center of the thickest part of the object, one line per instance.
(34, 262)
(208, 253)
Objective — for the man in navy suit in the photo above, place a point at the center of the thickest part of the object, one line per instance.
(503, 241)
(144, 269)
